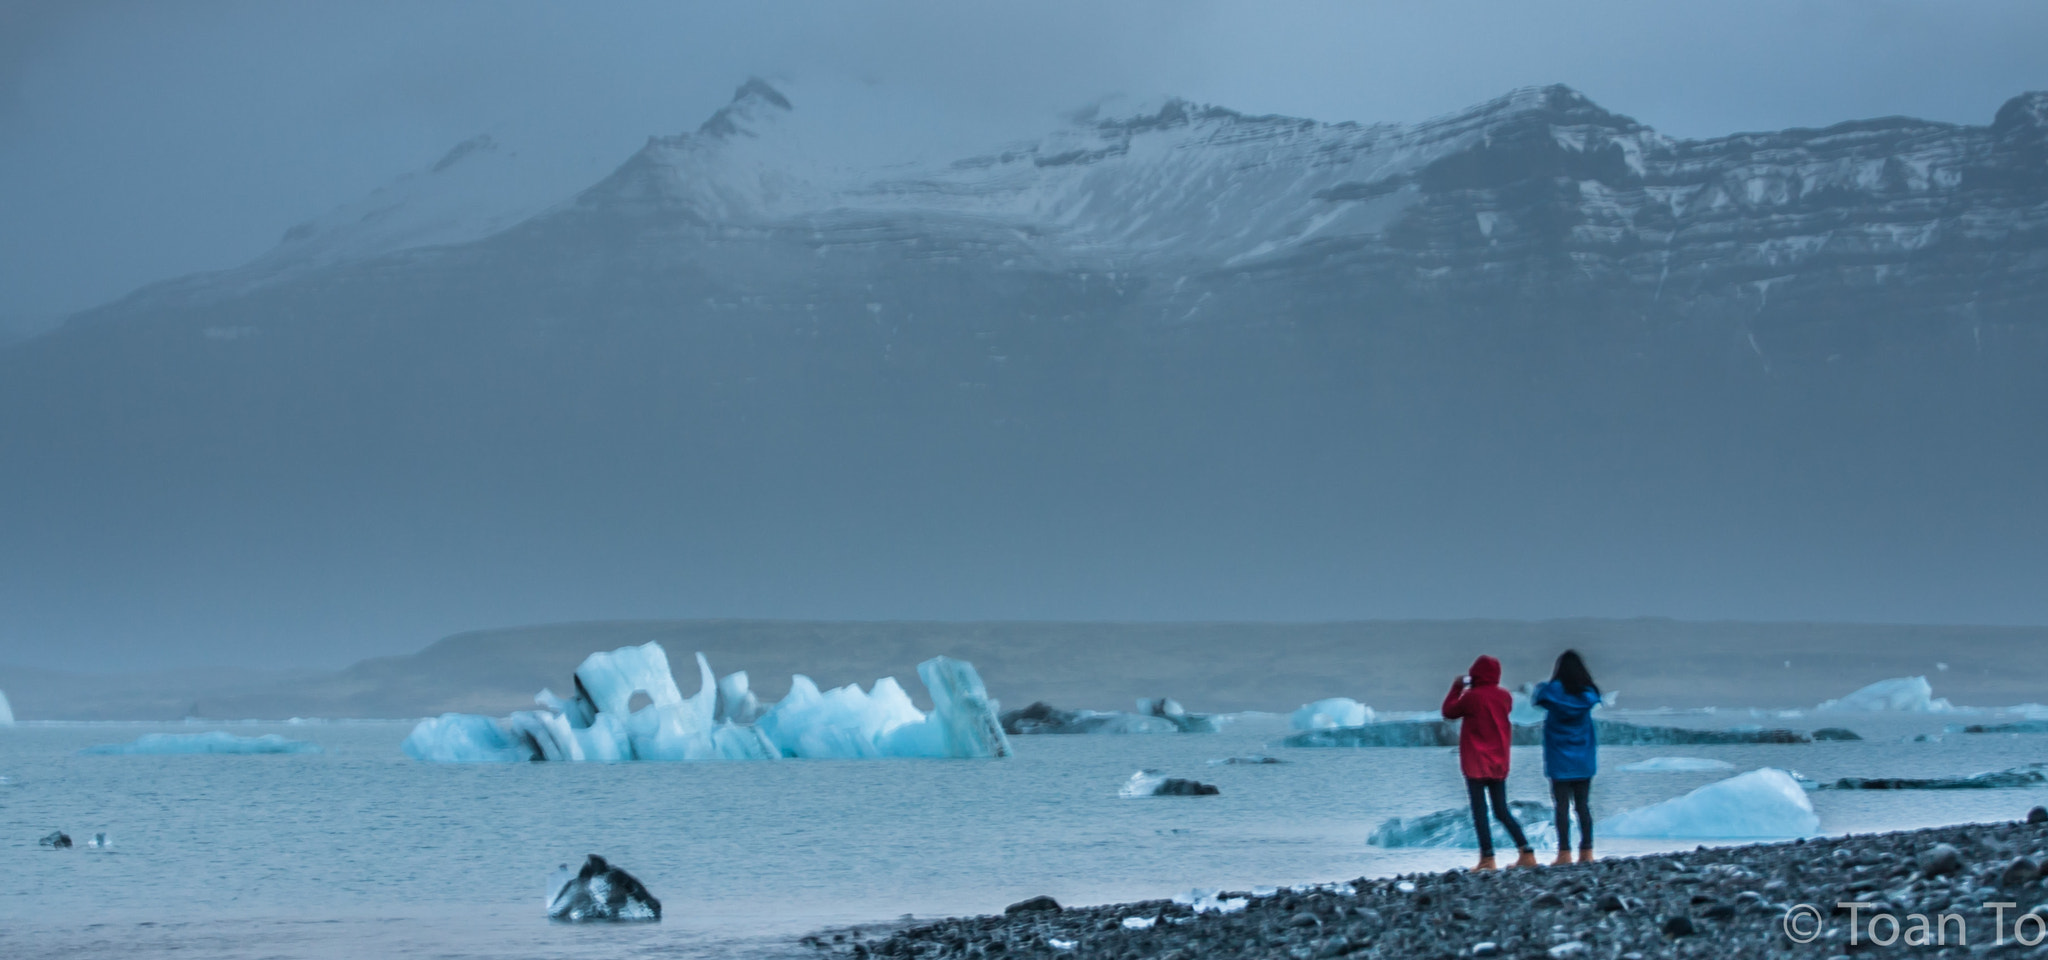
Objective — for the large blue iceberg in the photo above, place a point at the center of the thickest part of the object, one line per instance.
(213, 742)
(724, 720)
(1763, 803)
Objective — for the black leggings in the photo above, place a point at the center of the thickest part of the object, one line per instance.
(1569, 795)
(1479, 791)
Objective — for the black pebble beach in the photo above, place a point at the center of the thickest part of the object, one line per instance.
(1711, 902)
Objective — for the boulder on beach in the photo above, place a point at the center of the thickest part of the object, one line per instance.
(599, 892)
(1033, 905)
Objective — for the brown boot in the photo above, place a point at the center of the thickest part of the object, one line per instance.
(1585, 854)
(1564, 859)
(1526, 859)
(1486, 863)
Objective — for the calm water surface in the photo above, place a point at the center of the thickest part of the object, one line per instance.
(361, 852)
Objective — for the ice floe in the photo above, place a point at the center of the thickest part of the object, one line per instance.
(1763, 803)
(1677, 765)
(215, 741)
(1332, 712)
(1897, 695)
(723, 720)
(2027, 776)
(1453, 828)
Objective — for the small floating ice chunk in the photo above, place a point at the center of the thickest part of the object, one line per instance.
(215, 741)
(1677, 765)
(1763, 803)
(1331, 712)
(1897, 695)
(1152, 783)
(599, 891)
(1453, 828)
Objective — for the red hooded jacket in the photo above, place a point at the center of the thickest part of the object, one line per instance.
(1485, 736)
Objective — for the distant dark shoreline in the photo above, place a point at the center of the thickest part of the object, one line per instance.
(1721, 902)
(1208, 667)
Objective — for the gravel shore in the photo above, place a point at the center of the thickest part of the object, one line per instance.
(1718, 902)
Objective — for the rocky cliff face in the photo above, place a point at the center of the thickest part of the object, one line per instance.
(1533, 358)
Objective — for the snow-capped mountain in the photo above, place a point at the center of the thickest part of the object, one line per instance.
(1180, 362)
(1539, 186)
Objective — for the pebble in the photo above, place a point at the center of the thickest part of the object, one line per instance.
(1733, 900)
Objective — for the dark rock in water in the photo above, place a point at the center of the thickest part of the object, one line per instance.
(1155, 715)
(1835, 733)
(1040, 717)
(1942, 858)
(2038, 815)
(1678, 926)
(1255, 759)
(57, 839)
(2017, 726)
(1033, 905)
(2016, 777)
(1177, 787)
(600, 891)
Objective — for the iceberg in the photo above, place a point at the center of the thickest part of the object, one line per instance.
(212, 742)
(1677, 765)
(1333, 712)
(6, 711)
(1763, 803)
(1897, 695)
(723, 720)
(1453, 828)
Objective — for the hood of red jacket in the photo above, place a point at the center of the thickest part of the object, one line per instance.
(1485, 671)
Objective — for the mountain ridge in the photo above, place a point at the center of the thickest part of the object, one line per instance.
(1543, 362)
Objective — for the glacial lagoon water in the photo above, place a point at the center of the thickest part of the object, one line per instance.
(358, 851)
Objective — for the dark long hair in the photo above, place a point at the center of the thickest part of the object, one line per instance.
(1571, 671)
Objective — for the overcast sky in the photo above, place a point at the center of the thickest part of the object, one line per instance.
(140, 141)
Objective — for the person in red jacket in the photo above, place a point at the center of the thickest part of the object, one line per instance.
(1483, 741)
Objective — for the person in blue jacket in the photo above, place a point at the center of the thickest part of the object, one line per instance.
(1570, 749)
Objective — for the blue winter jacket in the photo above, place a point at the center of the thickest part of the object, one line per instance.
(1570, 748)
